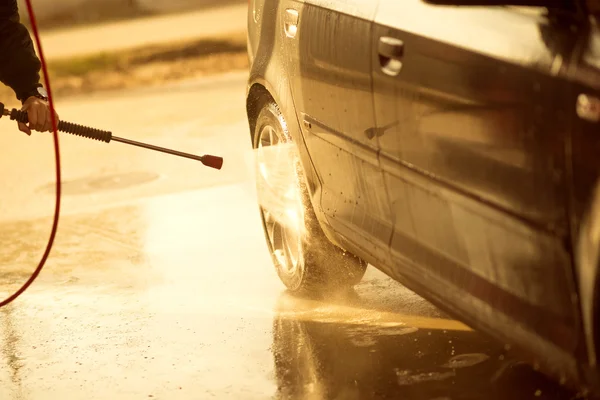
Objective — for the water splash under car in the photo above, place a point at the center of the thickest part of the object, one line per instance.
(454, 145)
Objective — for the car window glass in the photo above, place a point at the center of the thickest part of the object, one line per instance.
(506, 31)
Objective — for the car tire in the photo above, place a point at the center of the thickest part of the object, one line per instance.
(305, 260)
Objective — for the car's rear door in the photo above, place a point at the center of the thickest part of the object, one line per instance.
(329, 49)
(474, 159)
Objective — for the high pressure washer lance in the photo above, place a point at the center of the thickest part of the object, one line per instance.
(106, 136)
(90, 133)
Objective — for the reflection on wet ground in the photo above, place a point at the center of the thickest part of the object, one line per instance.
(317, 357)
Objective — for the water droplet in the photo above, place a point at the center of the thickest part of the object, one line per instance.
(465, 360)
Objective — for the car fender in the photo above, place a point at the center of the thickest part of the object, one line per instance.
(281, 95)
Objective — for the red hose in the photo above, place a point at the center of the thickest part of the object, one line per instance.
(42, 262)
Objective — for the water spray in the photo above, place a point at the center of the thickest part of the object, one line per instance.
(106, 136)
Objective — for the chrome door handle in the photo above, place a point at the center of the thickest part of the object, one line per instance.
(391, 48)
(391, 52)
(291, 22)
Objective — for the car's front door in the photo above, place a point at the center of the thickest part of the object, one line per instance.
(329, 48)
(472, 143)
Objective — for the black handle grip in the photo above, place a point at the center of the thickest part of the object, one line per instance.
(68, 127)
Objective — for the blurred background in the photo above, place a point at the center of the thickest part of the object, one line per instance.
(62, 13)
(93, 45)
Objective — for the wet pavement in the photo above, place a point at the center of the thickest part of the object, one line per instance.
(160, 285)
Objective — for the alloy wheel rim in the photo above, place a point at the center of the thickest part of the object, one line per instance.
(280, 202)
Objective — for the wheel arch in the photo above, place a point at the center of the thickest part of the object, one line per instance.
(260, 93)
(258, 96)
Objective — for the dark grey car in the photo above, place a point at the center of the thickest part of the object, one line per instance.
(457, 149)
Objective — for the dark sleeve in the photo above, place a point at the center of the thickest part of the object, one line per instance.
(19, 64)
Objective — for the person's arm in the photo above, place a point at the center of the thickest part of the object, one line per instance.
(20, 67)
(19, 64)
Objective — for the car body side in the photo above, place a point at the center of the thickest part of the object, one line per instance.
(468, 176)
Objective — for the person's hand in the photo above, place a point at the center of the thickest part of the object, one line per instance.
(38, 114)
